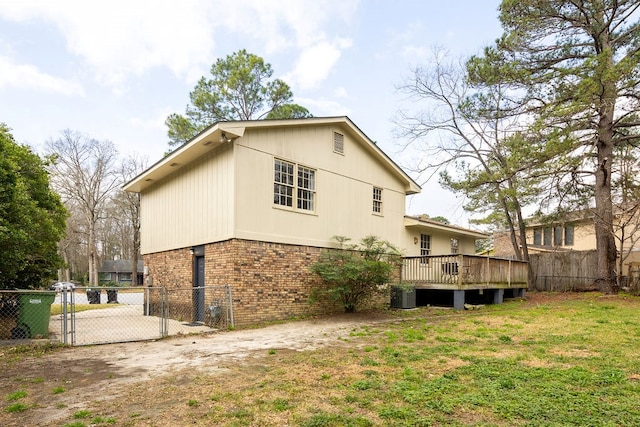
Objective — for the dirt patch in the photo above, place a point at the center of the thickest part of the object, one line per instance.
(110, 372)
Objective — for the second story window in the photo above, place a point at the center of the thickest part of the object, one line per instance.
(283, 183)
(377, 200)
(286, 188)
(537, 236)
(306, 188)
(568, 234)
(556, 235)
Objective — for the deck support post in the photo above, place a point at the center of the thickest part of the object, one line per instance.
(498, 296)
(458, 300)
(518, 293)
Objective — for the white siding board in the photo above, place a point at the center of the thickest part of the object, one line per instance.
(190, 207)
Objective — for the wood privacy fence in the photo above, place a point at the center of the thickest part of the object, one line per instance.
(563, 271)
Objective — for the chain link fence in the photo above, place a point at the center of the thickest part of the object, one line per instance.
(83, 316)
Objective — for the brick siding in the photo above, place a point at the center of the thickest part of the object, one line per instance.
(269, 281)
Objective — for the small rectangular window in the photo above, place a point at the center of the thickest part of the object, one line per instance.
(377, 200)
(557, 236)
(425, 248)
(547, 236)
(454, 246)
(568, 234)
(338, 143)
(537, 236)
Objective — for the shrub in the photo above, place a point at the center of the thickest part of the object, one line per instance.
(355, 273)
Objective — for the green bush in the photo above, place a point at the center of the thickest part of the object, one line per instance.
(355, 273)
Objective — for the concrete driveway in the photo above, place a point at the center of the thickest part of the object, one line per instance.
(115, 323)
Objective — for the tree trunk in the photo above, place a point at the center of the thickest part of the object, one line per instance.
(603, 221)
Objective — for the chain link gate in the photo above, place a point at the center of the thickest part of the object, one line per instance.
(84, 316)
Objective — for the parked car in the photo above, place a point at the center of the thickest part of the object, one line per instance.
(60, 286)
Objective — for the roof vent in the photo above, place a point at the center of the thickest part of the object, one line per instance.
(338, 143)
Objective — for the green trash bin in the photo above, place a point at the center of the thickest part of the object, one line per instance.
(34, 312)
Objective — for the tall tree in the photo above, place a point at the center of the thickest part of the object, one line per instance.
(577, 65)
(626, 204)
(83, 172)
(129, 205)
(472, 135)
(239, 89)
(32, 217)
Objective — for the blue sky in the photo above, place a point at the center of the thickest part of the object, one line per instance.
(115, 70)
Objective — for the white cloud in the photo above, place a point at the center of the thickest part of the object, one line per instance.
(152, 123)
(324, 107)
(341, 92)
(119, 38)
(29, 77)
(285, 24)
(316, 62)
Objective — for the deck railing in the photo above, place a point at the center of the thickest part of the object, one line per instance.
(464, 271)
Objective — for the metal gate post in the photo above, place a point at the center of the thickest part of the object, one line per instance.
(230, 305)
(72, 305)
(64, 316)
(68, 316)
(164, 309)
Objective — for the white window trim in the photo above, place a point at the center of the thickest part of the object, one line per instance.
(294, 204)
(380, 201)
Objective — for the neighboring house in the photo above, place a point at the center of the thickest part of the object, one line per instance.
(252, 203)
(120, 271)
(575, 231)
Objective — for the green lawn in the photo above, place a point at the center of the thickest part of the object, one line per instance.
(567, 360)
(568, 363)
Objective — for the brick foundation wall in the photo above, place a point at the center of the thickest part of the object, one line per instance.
(269, 281)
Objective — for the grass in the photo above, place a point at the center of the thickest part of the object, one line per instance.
(56, 309)
(560, 362)
(570, 363)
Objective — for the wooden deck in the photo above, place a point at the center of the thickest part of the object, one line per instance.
(464, 272)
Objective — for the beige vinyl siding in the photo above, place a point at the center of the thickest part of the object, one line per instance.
(343, 204)
(584, 237)
(440, 242)
(192, 206)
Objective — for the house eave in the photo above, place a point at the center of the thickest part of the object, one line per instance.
(206, 141)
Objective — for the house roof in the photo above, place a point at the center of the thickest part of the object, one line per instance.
(226, 132)
(119, 266)
(420, 222)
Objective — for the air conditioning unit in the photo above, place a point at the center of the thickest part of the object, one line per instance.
(403, 297)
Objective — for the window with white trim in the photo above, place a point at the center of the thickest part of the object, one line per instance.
(377, 200)
(568, 234)
(454, 245)
(556, 235)
(286, 188)
(425, 247)
(306, 188)
(283, 183)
